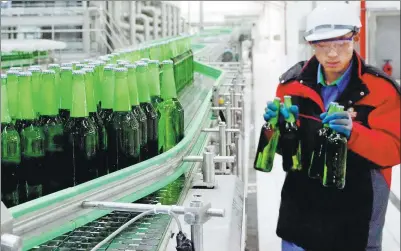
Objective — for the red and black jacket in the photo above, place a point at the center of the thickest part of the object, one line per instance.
(324, 219)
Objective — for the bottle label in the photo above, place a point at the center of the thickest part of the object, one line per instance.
(54, 138)
(10, 147)
(33, 142)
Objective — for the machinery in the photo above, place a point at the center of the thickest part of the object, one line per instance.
(200, 182)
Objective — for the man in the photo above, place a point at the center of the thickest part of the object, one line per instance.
(313, 217)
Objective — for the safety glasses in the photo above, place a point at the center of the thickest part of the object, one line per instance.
(339, 45)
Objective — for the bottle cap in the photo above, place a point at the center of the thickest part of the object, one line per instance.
(12, 72)
(24, 74)
(53, 66)
(120, 69)
(48, 72)
(78, 72)
(66, 68)
(34, 69)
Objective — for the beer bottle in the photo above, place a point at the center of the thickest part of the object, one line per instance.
(150, 111)
(53, 129)
(56, 69)
(169, 88)
(289, 141)
(154, 82)
(98, 77)
(10, 152)
(36, 95)
(107, 98)
(336, 159)
(137, 111)
(12, 93)
(32, 174)
(123, 128)
(79, 66)
(80, 136)
(65, 92)
(93, 114)
(319, 154)
(267, 145)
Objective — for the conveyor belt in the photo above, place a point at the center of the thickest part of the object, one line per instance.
(55, 215)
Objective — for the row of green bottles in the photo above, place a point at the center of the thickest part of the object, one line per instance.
(66, 131)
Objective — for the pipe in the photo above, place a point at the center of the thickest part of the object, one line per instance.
(134, 207)
(164, 20)
(140, 38)
(154, 13)
(145, 21)
(132, 22)
(362, 40)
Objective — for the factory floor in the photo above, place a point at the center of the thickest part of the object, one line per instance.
(264, 188)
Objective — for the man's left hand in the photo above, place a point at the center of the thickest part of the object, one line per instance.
(340, 122)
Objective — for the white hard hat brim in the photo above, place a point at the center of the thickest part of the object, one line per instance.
(321, 35)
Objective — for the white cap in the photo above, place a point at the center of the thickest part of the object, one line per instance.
(330, 20)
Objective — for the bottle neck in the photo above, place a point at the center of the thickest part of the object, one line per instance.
(108, 90)
(49, 101)
(66, 90)
(143, 89)
(79, 108)
(121, 94)
(168, 90)
(5, 115)
(90, 92)
(154, 80)
(25, 104)
(133, 88)
(12, 89)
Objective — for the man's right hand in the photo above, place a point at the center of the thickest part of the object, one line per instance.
(271, 111)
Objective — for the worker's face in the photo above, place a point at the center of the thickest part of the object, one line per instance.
(335, 54)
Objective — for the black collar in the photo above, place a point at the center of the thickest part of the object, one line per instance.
(356, 89)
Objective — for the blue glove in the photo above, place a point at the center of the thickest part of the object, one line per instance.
(270, 111)
(340, 122)
(286, 112)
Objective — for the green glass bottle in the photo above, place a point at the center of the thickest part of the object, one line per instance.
(124, 144)
(154, 82)
(12, 93)
(56, 69)
(94, 115)
(336, 158)
(65, 92)
(146, 105)
(32, 142)
(80, 136)
(74, 64)
(267, 145)
(79, 66)
(137, 110)
(289, 141)
(36, 95)
(319, 154)
(107, 99)
(98, 76)
(168, 86)
(10, 152)
(53, 129)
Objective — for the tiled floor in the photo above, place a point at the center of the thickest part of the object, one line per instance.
(267, 68)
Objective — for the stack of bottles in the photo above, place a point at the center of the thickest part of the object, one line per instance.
(74, 122)
(328, 162)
